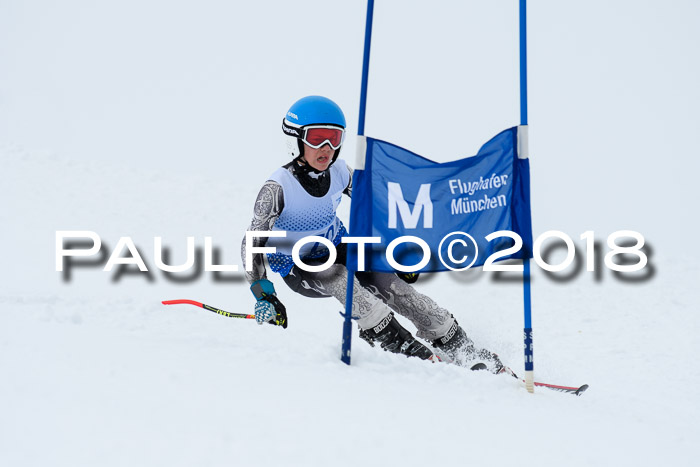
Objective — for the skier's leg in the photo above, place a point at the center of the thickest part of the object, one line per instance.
(368, 310)
(435, 324)
(460, 349)
(431, 320)
(375, 318)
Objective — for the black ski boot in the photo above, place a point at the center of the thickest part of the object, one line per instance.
(460, 350)
(393, 337)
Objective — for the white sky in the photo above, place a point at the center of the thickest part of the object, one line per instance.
(200, 88)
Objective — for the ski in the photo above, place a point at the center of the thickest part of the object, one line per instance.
(577, 391)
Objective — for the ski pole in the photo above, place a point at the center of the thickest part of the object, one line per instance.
(228, 314)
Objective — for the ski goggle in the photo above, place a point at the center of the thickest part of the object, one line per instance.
(317, 135)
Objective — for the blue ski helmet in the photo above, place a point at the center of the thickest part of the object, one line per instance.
(309, 110)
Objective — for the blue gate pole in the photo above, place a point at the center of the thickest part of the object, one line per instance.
(527, 302)
(347, 324)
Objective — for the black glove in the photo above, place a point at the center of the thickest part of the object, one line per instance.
(408, 277)
(281, 318)
(268, 307)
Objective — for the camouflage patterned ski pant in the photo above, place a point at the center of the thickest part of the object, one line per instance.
(375, 295)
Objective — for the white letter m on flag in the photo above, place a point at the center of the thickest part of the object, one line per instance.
(410, 218)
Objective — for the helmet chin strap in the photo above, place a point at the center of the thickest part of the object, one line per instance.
(314, 182)
(305, 167)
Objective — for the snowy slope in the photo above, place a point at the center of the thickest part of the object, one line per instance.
(116, 378)
(169, 130)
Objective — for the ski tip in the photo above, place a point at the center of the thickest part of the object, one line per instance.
(581, 390)
(479, 367)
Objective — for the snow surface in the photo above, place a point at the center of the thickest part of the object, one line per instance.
(157, 118)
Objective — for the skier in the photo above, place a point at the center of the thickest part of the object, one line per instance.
(301, 198)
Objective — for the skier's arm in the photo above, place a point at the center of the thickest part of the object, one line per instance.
(268, 206)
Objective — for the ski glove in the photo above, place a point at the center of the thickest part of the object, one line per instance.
(408, 277)
(268, 309)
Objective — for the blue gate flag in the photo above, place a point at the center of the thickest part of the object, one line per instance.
(399, 193)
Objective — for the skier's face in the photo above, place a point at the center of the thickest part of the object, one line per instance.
(319, 158)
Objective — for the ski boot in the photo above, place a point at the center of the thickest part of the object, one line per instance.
(460, 350)
(393, 337)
